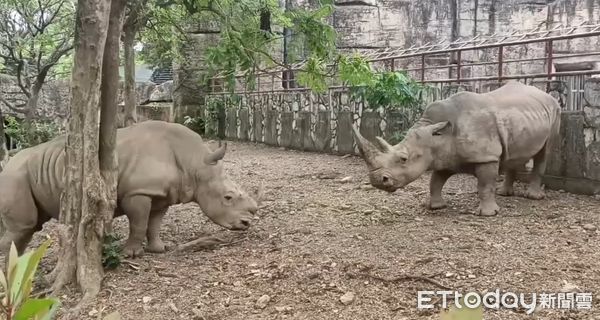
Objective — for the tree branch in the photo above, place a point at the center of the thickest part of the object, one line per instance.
(11, 106)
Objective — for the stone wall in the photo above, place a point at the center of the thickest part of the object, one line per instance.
(55, 96)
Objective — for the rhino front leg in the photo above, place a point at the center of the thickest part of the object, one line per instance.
(137, 208)
(534, 190)
(486, 174)
(436, 184)
(155, 243)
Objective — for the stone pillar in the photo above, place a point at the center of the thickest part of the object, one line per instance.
(369, 125)
(344, 138)
(287, 120)
(271, 127)
(323, 131)
(187, 76)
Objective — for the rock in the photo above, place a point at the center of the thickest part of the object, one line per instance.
(346, 179)
(569, 287)
(589, 227)
(472, 276)
(162, 92)
(237, 284)
(93, 312)
(347, 298)
(283, 309)
(263, 301)
(368, 211)
(449, 275)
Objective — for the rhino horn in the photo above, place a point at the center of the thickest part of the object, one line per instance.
(385, 147)
(366, 148)
(216, 155)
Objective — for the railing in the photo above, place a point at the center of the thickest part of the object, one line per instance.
(477, 63)
(281, 113)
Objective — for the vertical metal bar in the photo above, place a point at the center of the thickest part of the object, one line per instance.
(549, 56)
(458, 63)
(500, 62)
(393, 65)
(549, 47)
(423, 68)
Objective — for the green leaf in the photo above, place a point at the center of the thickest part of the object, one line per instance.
(36, 309)
(463, 313)
(21, 284)
(113, 316)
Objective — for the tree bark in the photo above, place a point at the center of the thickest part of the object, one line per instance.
(89, 200)
(130, 29)
(3, 151)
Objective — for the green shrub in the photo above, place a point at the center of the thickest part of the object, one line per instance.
(43, 131)
(111, 251)
(17, 284)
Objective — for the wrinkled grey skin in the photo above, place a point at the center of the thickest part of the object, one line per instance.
(160, 164)
(479, 134)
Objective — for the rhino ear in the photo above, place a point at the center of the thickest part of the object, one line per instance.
(213, 157)
(437, 128)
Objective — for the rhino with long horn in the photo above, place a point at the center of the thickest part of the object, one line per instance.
(478, 134)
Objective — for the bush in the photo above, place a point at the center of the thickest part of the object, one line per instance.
(17, 284)
(111, 251)
(43, 131)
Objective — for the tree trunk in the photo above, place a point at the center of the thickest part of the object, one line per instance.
(30, 108)
(3, 151)
(89, 200)
(130, 29)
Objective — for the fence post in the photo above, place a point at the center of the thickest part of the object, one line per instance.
(423, 68)
(500, 62)
(458, 65)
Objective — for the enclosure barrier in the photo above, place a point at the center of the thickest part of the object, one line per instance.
(298, 118)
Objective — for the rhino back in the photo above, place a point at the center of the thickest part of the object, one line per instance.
(45, 168)
(40, 169)
(158, 159)
(513, 122)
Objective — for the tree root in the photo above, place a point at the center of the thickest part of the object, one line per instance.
(404, 277)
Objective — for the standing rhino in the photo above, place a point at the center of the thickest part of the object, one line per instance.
(160, 164)
(479, 134)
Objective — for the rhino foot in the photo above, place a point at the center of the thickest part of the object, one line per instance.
(157, 247)
(133, 251)
(506, 192)
(534, 194)
(488, 210)
(436, 204)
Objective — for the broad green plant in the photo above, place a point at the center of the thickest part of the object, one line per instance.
(17, 303)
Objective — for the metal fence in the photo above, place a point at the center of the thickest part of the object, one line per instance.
(282, 113)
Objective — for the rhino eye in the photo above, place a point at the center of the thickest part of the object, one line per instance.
(228, 198)
(402, 159)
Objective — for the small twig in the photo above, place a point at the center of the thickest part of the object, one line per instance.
(404, 278)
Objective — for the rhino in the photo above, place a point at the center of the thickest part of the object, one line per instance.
(160, 164)
(479, 134)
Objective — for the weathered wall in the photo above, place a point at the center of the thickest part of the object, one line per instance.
(55, 97)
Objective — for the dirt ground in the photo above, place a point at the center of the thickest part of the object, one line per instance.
(318, 238)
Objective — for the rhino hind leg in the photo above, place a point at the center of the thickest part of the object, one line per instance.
(137, 209)
(436, 184)
(486, 174)
(155, 243)
(534, 190)
(507, 188)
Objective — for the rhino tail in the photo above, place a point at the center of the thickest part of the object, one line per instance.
(503, 136)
